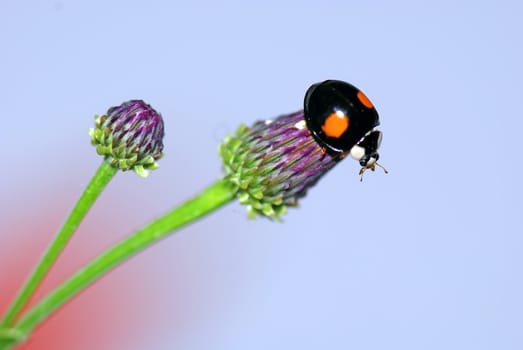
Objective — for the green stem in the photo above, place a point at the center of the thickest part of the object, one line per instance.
(103, 175)
(210, 199)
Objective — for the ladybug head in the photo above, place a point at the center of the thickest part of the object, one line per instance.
(366, 151)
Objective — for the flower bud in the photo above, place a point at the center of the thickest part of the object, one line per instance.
(273, 164)
(130, 136)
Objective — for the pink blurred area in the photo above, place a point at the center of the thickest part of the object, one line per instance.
(108, 315)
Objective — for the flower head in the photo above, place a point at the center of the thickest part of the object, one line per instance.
(130, 136)
(273, 164)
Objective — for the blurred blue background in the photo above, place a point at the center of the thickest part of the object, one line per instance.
(427, 257)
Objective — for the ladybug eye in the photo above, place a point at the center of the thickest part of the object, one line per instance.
(365, 160)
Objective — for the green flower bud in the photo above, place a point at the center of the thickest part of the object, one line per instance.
(130, 136)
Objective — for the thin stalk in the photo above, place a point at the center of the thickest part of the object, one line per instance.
(215, 196)
(101, 178)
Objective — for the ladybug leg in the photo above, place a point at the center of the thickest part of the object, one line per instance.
(371, 167)
(381, 166)
(363, 169)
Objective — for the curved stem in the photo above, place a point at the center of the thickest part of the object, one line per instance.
(103, 175)
(208, 200)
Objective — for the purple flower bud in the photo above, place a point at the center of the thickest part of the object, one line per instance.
(274, 163)
(130, 136)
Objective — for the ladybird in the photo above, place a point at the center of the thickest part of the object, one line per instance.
(343, 120)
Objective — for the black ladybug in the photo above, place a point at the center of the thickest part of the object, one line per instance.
(342, 120)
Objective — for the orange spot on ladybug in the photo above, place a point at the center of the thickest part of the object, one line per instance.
(335, 124)
(364, 100)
